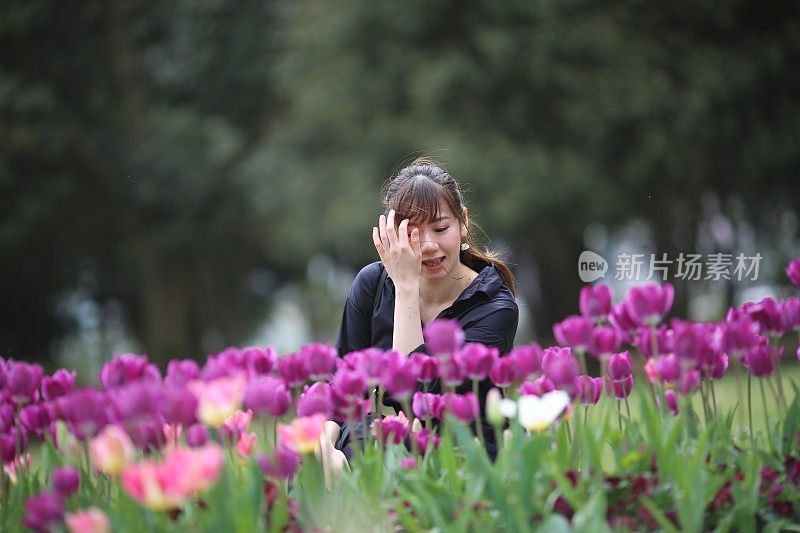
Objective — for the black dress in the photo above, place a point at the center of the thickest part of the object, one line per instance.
(486, 311)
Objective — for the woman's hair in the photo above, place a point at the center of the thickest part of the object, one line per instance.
(415, 193)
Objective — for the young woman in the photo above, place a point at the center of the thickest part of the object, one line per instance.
(430, 268)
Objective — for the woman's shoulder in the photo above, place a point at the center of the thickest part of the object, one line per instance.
(370, 273)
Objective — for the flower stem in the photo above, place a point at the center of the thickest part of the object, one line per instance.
(478, 428)
(750, 406)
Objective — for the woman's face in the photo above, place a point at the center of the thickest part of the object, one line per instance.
(440, 243)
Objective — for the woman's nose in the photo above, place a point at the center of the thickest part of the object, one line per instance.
(426, 244)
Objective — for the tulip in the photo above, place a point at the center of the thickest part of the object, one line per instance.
(319, 360)
(539, 387)
(494, 414)
(719, 367)
(303, 433)
(651, 371)
(793, 272)
(236, 425)
(228, 362)
(66, 480)
(423, 438)
(127, 368)
(451, 372)
(693, 342)
(43, 512)
(604, 341)
(369, 362)
(399, 376)
(86, 412)
(476, 360)
(6, 417)
(621, 319)
(669, 368)
(89, 520)
(647, 305)
(425, 405)
(111, 450)
(598, 383)
(560, 367)
(737, 334)
(22, 380)
(586, 390)
(672, 401)
(181, 371)
(620, 366)
(8, 444)
(536, 414)
(314, 399)
(35, 417)
(504, 371)
(443, 337)
(349, 383)
(650, 348)
(60, 384)
(282, 464)
(527, 359)
(760, 360)
(266, 395)
(246, 444)
(574, 331)
(396, 427)
(259, 361)
(292, 370)
(427, 367)
(197, 435)
(690, 382)
(622, 388)
(349, 407)
(595, 301)
(218, 399)
(464, 407)
(767, 314)
(178, 405)
(408, 462)
(790, 314)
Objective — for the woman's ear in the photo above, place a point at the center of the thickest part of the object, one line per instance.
(465, 225)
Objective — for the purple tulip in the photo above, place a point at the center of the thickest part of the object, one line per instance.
(292, 370)
(177, 405)
(128, 368)
(266, 395)
(147, 434)
(396, 427)
(672, 401)
(349, 383)
(560, 367)
(621, 319)
(760, 360)
(44, 512)
(604, 341)
(314, 399)
(60, 384)
(86, 412)
(663, 341)
(622, 389)
(66, 480)
(22, 380)
(35, 417)
(790, 314)
(693, 342)
(690, 382)
(793, 272)
(197, 435)
(259, 361)
(399, 376)
(443, 337)
(181, 371)
(620, 366)
(282, 464)
(427, 366)
(528, 359)
(595, 301)
(349, 407)
(586, 390)
(647, 305)
(424, 404)
(369, 362)
(139, 399)
(228, 362)
(476, 360)
(669, 368)
(8, 444)
(538, 387)
(462, 406)
(767, 314)
(598, 383)
(504, 371)
(719, 367)
(422, 439)
(574, 331)
(451, 372)
(7, 411)
(737, 334)
(319, 360)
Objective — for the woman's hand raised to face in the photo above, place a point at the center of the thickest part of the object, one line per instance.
(399, 252)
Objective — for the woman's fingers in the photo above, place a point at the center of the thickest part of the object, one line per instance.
(382, 230)
(391, 232)
(414, 241)
(402, 233)
(376, 240)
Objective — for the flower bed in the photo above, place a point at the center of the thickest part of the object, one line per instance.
(238, 444)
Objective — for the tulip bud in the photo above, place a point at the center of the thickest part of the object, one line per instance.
(620, 366)
(690, 382)
(595, 301)
(793, 272)
(672, 401)
(66, 480)
(622, 389)
(476, 360)
(504, 371)
(197, 435)
(574, 331)
(560, 367)
(427, 367)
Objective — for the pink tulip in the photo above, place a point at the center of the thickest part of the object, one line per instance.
(604, 341)
(719, 367)
(369, 362)
(218, 398)
(399, 376)
(282, 464)
(538, 387)
(651, 371)
(315, 399)
(790, 314)
(621, 319)
(760, 361)
(127, 368)
(319, 360)
(527, 359)
(427, 366)
(425, 405)
(574, 331)
(236, 425)
(443, 337)
(451, 372)
(476, 360)
(111, 450)
(595, 301)
(586, 390)
(737, 334)
(690, 382)
(504, 371)
(620, 366)
(647, 305)
(60, 384)
(259, 361)
(669, 368)
(394, 428)
(662, 345)
(302, 434)
(408, 462)
(181, 371)
(767, 314)
(560, 367)
(464, 407)
(793, 272)
(22, 381)
(246, 444)
(423, 438)
(622, 389)
(89, 520)
(44, 511)
(292, 370)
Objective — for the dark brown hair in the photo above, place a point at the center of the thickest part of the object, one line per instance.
(415, 193)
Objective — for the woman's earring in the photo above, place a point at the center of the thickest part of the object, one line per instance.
(464, 246)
